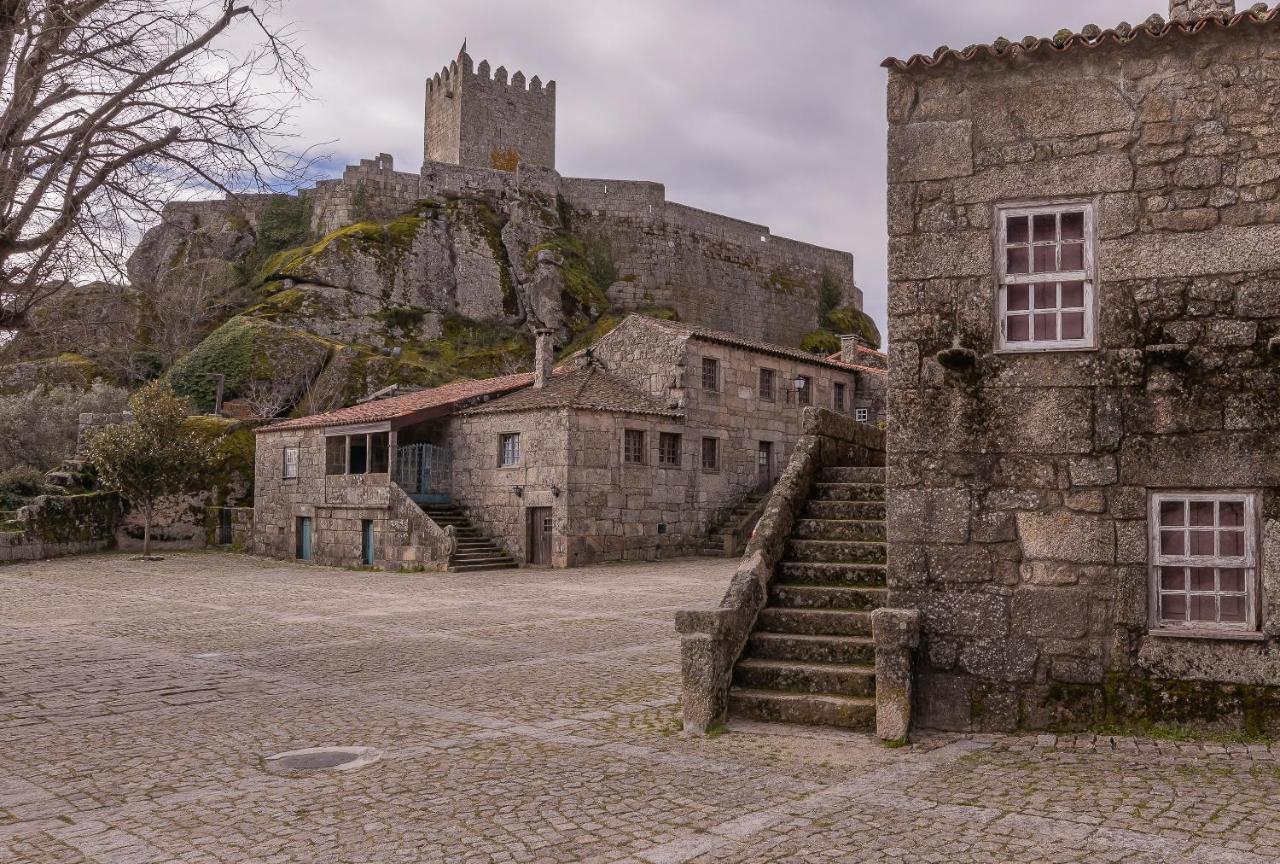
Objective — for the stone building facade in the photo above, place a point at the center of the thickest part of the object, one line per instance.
(1084, 255)
(629, 451)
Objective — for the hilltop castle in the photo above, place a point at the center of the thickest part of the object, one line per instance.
(491, 136)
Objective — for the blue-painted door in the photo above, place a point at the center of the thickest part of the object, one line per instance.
(304, 538)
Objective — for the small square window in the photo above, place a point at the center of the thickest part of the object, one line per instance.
(860, 415)
(290, 464)
(766, 385)
(669, 450)
(1046, 286)
(710, 375)
(633, 447)
(1204, 569)
(711, 454)
(837, 396)
(509, 449)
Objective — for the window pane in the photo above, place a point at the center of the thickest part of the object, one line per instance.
(1019, 297)
(359, 455)
(1233, 610)
(380, 458)
(1019, 328)
(1046, 227)
(1072, 325)
(1172, 513)
(1046, 295)
(1017, 259)
(1202, 579)
(1202, 543)
(1204, 608)
(1173, 578)
(1072, 295)
(1073, 226)
(335, 455)
(1073, 256)
(1202, 513)
(1046, 259)
(1172, 543)
(1173, 607)
(1231, 544)
(1231, 580)
(1231, 513)
(1046, 327)
(1017, 229)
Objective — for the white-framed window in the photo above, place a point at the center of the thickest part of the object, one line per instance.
(860, 414)
(508, 449)
(633, 447)
(1204, 561)
(289, 467)
(1046, 294)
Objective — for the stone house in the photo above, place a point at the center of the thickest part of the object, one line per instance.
(630, 450)
(1083, 458)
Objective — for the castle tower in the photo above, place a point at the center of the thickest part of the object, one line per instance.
(485, 121)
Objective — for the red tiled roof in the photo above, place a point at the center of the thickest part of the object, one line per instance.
(874, 370)
(732, 339)
(446, 397)
(588, 388)
(1153, 29)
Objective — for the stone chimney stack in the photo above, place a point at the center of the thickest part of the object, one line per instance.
(544, 357)
(1193, 10)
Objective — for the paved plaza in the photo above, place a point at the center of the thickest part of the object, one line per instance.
(521, 716)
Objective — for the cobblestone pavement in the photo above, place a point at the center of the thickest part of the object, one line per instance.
(523, 716)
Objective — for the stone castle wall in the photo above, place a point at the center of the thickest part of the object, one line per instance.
(371, 190)
(1020, 485)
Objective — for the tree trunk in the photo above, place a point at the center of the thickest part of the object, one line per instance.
(146, 532)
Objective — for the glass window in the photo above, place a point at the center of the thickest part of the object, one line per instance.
(1204, 564)
(633, 447)
(335, 455)
(804, 392)
(766, 385)
(290, 466)
(1046, 289)
(711, 453)
(710, 375)
(509, 449)
(860, 415)
(837, 396)
(669, 449)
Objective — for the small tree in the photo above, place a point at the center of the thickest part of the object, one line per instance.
(153, 457)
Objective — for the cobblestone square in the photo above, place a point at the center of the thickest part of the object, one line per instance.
(522, 716)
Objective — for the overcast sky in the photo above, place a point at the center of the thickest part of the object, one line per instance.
(764, 110)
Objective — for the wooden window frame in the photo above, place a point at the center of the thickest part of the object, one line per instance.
(1249, 563)
(1087, 276)
(715, 466)
(838, 400)
(640, 457)
(804, 396)
(769, 394)
(663, 461)
(715, 377)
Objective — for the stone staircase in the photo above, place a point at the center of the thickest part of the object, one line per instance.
(475, 551)
(810, 658)
(716, 544)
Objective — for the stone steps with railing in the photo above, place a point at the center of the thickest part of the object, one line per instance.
(472, 551)
(728, 535)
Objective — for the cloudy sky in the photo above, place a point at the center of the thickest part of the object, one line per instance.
(769, 111)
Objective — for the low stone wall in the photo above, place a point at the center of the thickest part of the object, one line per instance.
(712, 640)
(241, 525)
(55, 525)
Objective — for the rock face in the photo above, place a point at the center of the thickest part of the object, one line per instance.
(1021, 486)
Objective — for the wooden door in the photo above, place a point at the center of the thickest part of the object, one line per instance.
(764, 466)
(541, 525)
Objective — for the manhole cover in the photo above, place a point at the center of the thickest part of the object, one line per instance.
(322, 759)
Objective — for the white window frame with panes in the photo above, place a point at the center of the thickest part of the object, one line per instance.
(1204, 563)
(1048, 278)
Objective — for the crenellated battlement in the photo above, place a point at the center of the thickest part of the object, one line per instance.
(478, 117)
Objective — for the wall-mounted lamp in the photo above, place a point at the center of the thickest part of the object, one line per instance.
(555, 491)
(798, 383)
(519, 490)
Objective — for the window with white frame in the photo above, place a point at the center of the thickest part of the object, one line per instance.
(1204, 561)
(1046, 278)
(290, 466)
(860, 414)
(508, 449)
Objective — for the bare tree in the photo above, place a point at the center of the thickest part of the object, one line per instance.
(111, 108)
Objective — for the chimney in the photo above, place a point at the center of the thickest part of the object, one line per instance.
(1194, 10)
(544, 357)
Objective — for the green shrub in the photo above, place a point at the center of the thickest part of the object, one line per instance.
(19, 485)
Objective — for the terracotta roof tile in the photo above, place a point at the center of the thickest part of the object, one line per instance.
(588, 388)
(1153, 29)
(724, 338)
(448, 396)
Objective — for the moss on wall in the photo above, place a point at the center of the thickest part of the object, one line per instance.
(231, 481)
(75, 518)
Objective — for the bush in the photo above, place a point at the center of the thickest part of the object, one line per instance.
(38, 428)
(20, 485)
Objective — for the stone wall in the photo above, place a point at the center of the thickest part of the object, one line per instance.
(56, 525)
(1020, 483)
(372, 189)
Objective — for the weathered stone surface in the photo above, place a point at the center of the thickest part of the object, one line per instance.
(930, 151)
(1066, 536)
(934, 515)
(1050, 613)
(1099, 172)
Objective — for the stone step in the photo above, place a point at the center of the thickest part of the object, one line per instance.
(860, 474)
(827, 597)
(472, 568)
(793, 677)
(808, 648)
(846, 712)
(836, 551)
(848, 491)
(839, 529)
(816, 573)
(858, 510)
(815, 622)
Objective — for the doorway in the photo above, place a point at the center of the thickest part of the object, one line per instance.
(764, 466)
(302, 530)
(366, 542)
(541, 526)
